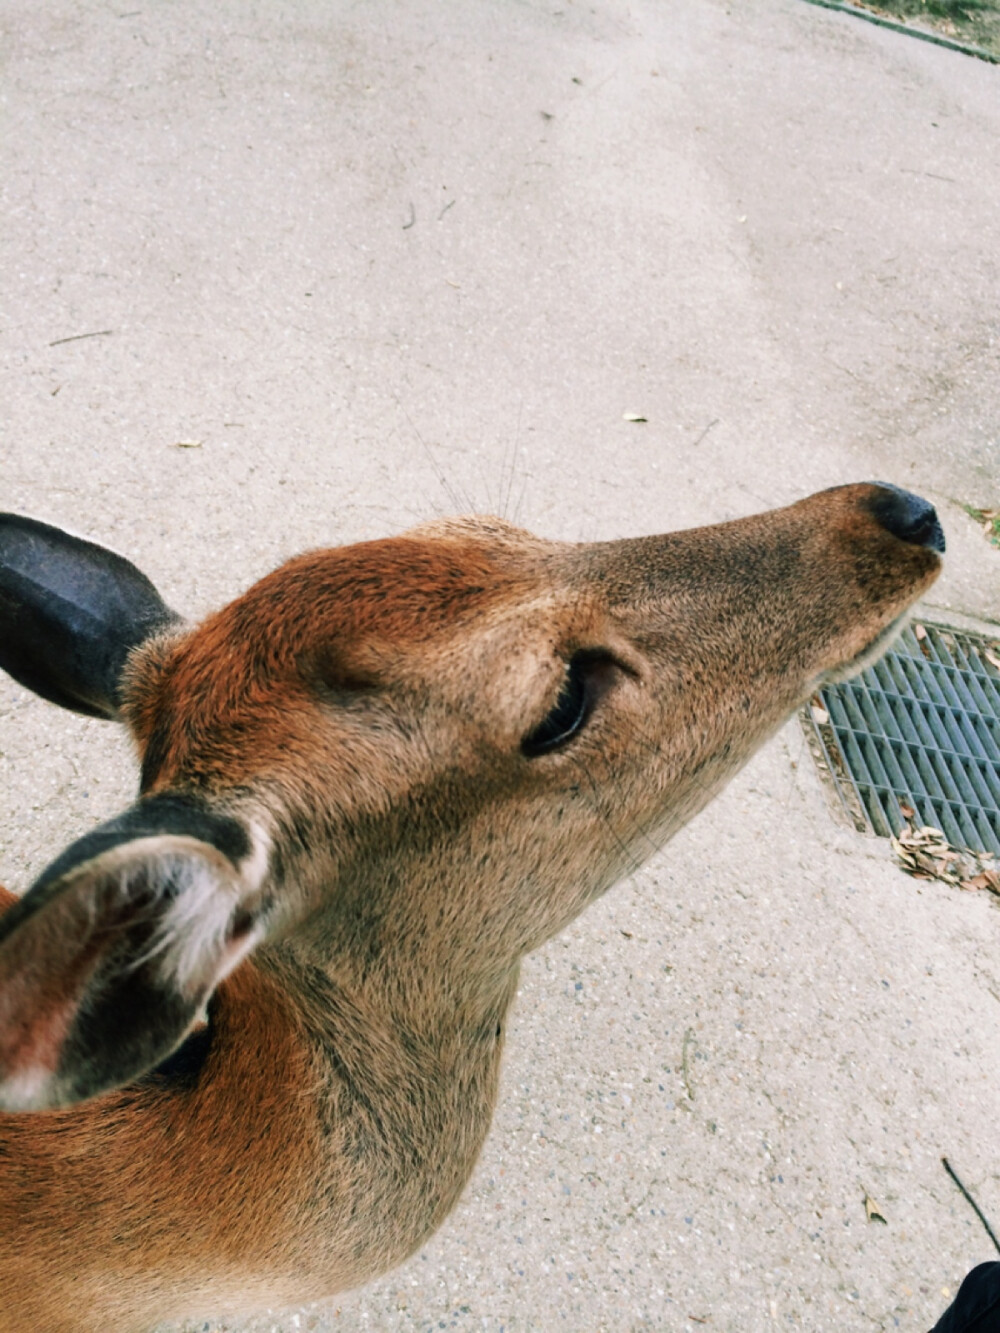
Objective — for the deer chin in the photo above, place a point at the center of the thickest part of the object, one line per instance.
(868, 655)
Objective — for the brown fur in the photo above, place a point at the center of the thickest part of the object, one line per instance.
(366, 706)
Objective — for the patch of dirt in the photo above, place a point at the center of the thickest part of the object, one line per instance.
(971, 22)
(988, 520)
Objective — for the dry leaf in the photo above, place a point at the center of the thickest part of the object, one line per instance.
(907, 811)
(993, 661)
(977, 882)
(925, 853)
(820, 716)
(872, 1211)
(989, 879)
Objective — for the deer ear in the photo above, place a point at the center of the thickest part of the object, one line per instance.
(70, 614)
(108, 960)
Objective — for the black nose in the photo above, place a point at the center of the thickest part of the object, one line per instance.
(907, 516)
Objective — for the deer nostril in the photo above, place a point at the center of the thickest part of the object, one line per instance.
(907, 516)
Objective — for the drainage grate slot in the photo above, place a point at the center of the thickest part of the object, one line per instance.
(921, 727)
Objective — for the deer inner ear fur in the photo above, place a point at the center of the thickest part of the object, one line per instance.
(107, 962)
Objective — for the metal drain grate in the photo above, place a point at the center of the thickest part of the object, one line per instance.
(921, 726)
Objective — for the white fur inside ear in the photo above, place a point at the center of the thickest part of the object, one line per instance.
(27, 1091)
(207, 928)
(193, 931)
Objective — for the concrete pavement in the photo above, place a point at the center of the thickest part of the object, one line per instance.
(346, 266)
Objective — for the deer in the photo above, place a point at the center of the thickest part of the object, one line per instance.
(251, 1026)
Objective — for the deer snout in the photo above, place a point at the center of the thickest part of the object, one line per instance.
(907, 516)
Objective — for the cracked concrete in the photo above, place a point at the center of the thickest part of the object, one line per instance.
(376, 262)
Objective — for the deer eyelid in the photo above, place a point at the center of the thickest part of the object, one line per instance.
(590, 673)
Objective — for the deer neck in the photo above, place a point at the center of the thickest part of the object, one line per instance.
(397, 1014)
(403, 1100)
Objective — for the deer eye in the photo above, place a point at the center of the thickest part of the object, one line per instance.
(589, 675)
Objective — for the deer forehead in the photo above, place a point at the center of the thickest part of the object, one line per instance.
(398, 611)
(440, 613)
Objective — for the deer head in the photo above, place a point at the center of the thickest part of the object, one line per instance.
(407, 761)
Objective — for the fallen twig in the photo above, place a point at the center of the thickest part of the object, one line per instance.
(705, 432)
(76, 337)
(972, 1203)
(685, 1067)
